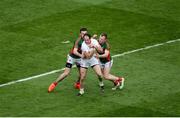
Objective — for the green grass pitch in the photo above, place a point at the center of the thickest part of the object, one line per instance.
(31, 32)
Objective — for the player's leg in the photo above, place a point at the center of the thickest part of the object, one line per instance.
(83, 71)
(108, 76)
(98, 72)
(62, 76)
(59, 79)
(77, 84)
(118, 81)
(94, 63)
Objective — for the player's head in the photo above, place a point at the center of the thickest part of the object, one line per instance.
(87, 38)
(83, 31)
(103, 38)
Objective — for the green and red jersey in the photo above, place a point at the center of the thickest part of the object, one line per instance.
(108, 58)
(79, 49)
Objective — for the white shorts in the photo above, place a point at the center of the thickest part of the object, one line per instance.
(85, 63)
(71, 60)
(107, 64)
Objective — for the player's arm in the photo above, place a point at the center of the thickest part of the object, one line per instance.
(105, 54)
(75, 50)
(97, 46)
(107, 51)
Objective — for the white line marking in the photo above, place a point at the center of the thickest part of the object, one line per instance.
(65, 42)
(114, 56)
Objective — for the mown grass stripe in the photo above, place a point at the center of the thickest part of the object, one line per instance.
(114, 56)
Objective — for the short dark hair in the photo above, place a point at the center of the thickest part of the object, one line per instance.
(83, 29)
(104, 34)
(87, 35)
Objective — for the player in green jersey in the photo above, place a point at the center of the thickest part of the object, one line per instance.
(106, 62)
(74, 57)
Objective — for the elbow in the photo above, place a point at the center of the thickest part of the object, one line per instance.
(74, 51)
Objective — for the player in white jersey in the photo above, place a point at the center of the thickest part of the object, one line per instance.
(88, 48)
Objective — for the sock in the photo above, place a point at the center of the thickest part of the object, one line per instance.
(81, 91)
(55, 83)
(116, 81)
(119, 79)
(78, 81)
(101, 83)
(100, 79)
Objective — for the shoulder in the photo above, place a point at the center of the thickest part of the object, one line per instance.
(78, 42)
(94, 41)
(107, 46)
(81, 41)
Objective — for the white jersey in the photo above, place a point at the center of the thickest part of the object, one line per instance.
(85, 63)
(86, 48)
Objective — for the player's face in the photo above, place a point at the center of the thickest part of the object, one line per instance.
(102, 39)
(87, 40)
(82, 33)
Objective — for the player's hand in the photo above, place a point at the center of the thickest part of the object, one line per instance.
(83, 56)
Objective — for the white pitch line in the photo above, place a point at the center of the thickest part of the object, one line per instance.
(114, 56)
